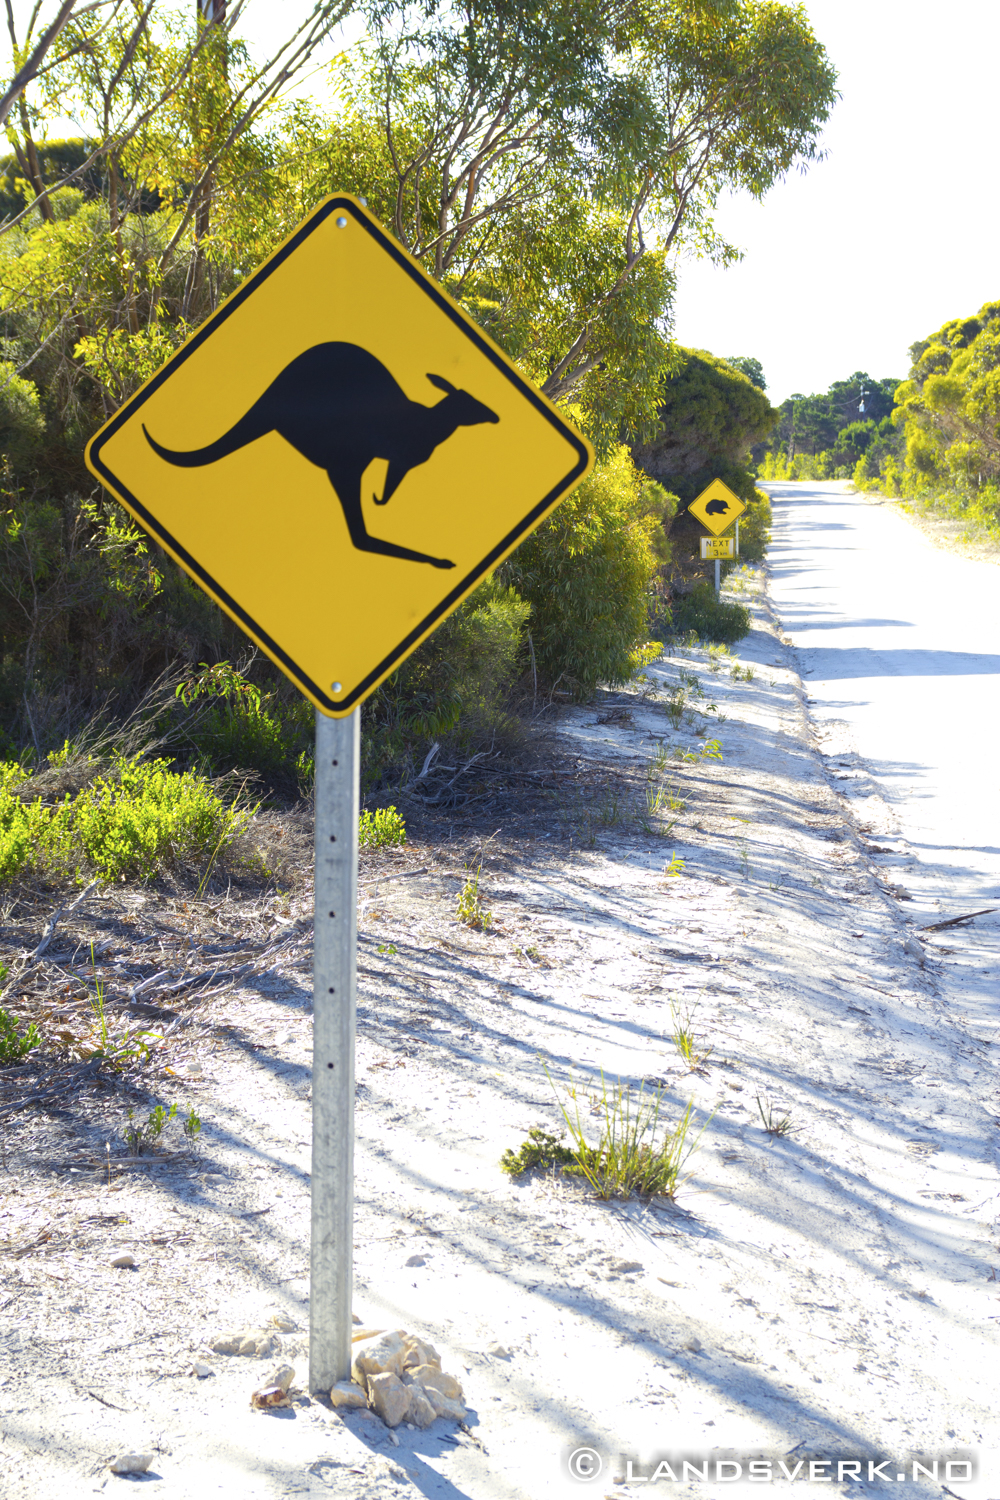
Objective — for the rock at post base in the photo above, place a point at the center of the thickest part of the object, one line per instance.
(421, 1412)
(377, 1356)
(418, 1352)
(283, 1375)
(347, 1393)
(389, 1397)
(444, 1406)
(427, 1375)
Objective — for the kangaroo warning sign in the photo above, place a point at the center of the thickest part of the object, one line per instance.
(339, 455)
(716, 507)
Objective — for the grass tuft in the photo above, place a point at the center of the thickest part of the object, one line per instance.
(773, 1121)
(144, 1135)
(470, 910)
(634, 1155)
(683, 1039)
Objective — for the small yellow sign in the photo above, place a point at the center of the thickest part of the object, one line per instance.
(339, 455)
(717, 507)
(717, 547)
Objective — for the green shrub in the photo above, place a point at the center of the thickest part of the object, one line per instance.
(458, 685)
(381, 829)
(587, 572)
(131, 822)
(22, 427)
(755, 528)
(713, 619)
(245, 727)
(15, 1045)
(541, 1149)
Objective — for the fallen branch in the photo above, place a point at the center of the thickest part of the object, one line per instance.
(429, 761)
(403, 875)
(432, 801)
(147, 984)
(88, 1070)
(209, 976)
(957, 921)
(56, 918)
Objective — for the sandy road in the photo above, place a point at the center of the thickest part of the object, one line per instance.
(899, 644)
(823, 1296)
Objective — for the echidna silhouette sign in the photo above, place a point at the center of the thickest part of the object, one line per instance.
(339, 455)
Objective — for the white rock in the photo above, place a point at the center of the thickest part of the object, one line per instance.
(123, 1261)
(914, 949)
(200, 1369)
(131, 1463)
(417, 1260)
(283, 1323)
(389, 1397)
(444, 1406)
(226, 1343)
(255, 1343)
(347, 1393)
(623, 1267)
(381, 1355)
(694, 1346)
(431, 1375)
(418, 1352)
(283, 1375)
(421, 1412)
(394, 1440)
(498, 1351)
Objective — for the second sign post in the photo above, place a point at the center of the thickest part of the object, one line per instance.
(717, 508)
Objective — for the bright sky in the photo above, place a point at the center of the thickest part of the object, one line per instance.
(894, 234)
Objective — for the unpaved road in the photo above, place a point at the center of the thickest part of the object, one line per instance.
(822, 1296)
(899, 644)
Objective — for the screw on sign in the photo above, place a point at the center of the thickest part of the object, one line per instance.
(338, 456)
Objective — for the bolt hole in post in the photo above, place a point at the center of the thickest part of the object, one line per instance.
(334, 973)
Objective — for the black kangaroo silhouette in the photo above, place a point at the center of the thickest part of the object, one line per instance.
(339, 407)
(717, 507)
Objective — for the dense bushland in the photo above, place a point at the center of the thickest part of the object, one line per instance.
(947, 415)
(711, 415)
(543, 161)
(846, 430)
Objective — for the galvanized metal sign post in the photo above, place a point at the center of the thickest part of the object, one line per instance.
(338, 378)
(334, 1007)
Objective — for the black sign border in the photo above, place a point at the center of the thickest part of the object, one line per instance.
(343, 705)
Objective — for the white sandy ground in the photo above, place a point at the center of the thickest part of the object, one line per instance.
(823, 1295)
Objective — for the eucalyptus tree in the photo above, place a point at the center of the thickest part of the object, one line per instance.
(543, 158)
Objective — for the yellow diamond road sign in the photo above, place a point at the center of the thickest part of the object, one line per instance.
(339, 455)
(717, 507)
